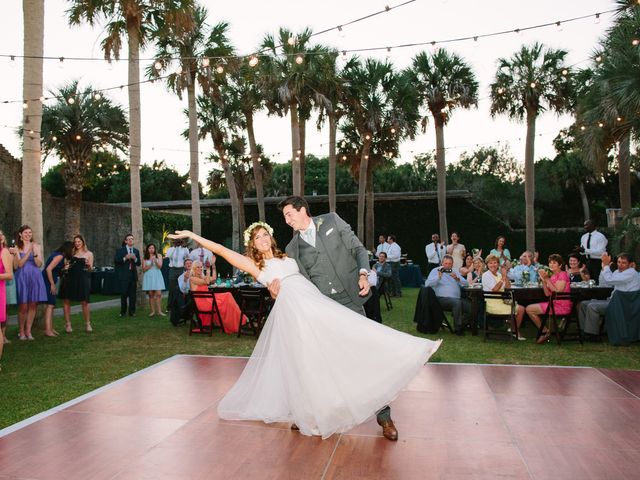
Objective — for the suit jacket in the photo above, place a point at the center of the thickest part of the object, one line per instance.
(123, 266)
(344, 251)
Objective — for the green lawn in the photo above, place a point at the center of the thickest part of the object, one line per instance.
(49, 371)
(95, 297)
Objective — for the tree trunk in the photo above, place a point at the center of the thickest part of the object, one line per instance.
(295, 148)
(72, 209)
(135, 138)
(31, 213)
(585, 201)
(242, 222)
(257, 166)
(529, 182)
(624, 172)
(362, 186)
(303, 138)
(233, 197)
(333, 127)
(370, 213)
(441, 174)
(194, 174)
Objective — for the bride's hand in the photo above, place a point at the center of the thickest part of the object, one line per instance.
(180, 234)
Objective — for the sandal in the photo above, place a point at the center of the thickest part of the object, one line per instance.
(543, 338)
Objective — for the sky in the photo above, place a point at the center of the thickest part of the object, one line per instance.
(420, 21)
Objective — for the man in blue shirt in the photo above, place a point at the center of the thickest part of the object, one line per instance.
(446, 282)
(526, 265)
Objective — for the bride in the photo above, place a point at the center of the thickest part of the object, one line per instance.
(316, 363)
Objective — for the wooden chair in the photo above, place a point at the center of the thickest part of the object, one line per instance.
(383, 291)
(196, 325)
(510, 333)
(254, 303)
(559, 324)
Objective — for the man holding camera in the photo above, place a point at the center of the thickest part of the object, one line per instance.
(446, 282)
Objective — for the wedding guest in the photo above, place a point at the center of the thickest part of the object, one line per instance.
(435, 252)
(206, 258)
(558, 281)
(467, 267)
(526, 271)
(50, 274)
(6, 273)
(152, 281)
(501, 251)
(177, 254)
(475, 275)
(456, 250)
(183, 280)
(382, 269)
(383, 246)
(577, 270)
(76, 283)
(446, 282)
(593, 245)
(394, 253)
(27, 260)
(227, 306)
(496, 281)
(127, 259)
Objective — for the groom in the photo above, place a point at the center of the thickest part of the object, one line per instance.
(333, 259)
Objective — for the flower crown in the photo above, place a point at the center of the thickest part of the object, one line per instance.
(247, 232)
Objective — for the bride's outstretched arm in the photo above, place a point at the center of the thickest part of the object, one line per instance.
(234, 258)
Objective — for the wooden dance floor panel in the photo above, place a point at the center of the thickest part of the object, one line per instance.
(455, 421)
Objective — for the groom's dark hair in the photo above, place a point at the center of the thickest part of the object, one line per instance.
(296, 202)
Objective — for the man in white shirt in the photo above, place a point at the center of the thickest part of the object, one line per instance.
(394, 252)
(624, 279)
(383, 246)
(206, 257)
(435, 253)
(183, 280)
(176, 254)
(593, 245)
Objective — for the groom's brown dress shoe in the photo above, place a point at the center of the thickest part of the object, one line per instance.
(389, 430)
(294, 427)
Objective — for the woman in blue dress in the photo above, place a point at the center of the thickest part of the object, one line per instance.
(51, 273)
(152, 282)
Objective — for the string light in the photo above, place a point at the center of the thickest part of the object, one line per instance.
(71, 100)
(158, 65)
(25, 105)
(532, 84)
(565, 72)
(600, 124)
(78, 137)
(635, 42)
(42, 99)
(54, 138)
(97, 96)
(597, 20)
(299, 59)
(559, 26)
(291, 41)
(253, 61)
(219, 69)
(598, 58)
(60, 62)
(205, 62)
(393, 130)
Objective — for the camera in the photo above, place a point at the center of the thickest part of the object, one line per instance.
(446, 270)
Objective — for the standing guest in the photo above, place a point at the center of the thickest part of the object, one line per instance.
(27, 260)
(394, 252)
(76, 283)
(152, 280)
(51, 273)
(624, 279)
(496, 281)
(526, 271)
(577, 270)
(558, 281)
(456, 250)
(593, 245)
(475, 275)
(6, 273)
(501, 251)
(435, 252)
(206, 258)
(227, 307)
(446, 282)
(176, 254)
(383, 246)
(127, 259)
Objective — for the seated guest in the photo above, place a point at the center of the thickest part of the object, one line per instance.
(577, 270)
(383, 246)
(467, 265)
(501, 251)
(372, 305)
(183, 279)
(475, 275)
(526, 268)
(435, 252)
(227, 306)
(446, 282)
(496, 281)
(382, 268)
(558, 281)
(624, 279)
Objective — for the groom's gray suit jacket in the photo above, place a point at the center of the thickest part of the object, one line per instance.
(334, 264)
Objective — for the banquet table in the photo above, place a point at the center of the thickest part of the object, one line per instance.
(411, 276)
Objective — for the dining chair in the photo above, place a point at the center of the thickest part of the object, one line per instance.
(202, 324)
(254, 304)
(510, 332)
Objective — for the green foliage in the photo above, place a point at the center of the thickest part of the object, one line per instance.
(627, 235)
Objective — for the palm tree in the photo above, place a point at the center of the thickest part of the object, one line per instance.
(531, 82)
(33, 19)
(444, 82)
(196, 49)
(133, 19)
(76, 126)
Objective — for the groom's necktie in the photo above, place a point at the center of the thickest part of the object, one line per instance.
(308, 235)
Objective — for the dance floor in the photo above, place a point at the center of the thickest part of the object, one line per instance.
(455, 421)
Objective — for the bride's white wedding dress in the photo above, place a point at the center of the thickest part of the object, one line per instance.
(319, 364)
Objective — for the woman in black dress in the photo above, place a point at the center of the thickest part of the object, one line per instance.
(76, 283)
(577, 270)
(50, 274)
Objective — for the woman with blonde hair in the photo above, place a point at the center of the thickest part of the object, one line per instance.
(317, 363)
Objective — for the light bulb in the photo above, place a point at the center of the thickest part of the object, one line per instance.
(54, 138)
(71, 100)
(299, 59)
(158, 65)
(366, 157)
(291, 40)
(600, 124)
(500, 90)
(42, 99)
(253, 61)
(619, 119)
(635, 42)
(97, 96)
(565, 72)
(532, 84)
(31, 132)
(598, 59)
(582, 127)
(559, 26)
(78, 137)
(367, 137)
(61, 62)
(393, 130)
(25, 105)
(220, 69)
(388, 52)
(597, 20)
(205, 62)
(344, 157)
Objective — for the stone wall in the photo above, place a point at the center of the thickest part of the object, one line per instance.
(103, 226)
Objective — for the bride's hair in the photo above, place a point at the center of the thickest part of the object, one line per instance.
(254, 254)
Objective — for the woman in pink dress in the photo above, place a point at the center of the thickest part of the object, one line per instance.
(6, 273)
(229, 310)
(558, 281)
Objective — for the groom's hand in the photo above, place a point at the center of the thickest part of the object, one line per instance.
(363, 283)
(274, 287)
